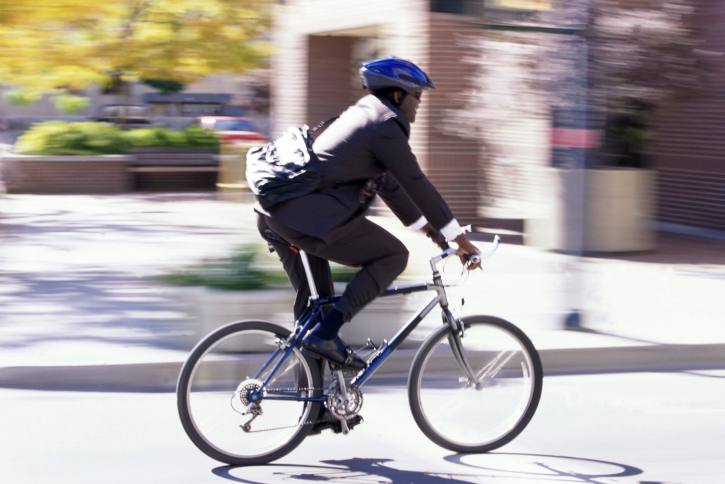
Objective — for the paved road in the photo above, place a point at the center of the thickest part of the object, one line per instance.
(595, 429)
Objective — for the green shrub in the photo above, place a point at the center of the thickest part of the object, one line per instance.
(153, 138)
(68, 104)
(59, 138)
(241, 271)
(191, 137)
(21, 97)
(200, 137)
(91, 138)
(246, 269)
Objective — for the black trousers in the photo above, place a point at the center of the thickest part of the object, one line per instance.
(359, 243)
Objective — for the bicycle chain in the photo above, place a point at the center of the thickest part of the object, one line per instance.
(289, 426)
(309, 422)
(282, 428)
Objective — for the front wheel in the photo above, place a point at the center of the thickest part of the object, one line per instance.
(215, 393)
(488, 411)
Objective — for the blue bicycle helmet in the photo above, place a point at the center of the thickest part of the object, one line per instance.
(394, 72)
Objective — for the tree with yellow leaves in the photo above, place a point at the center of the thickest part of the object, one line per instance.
(66, 46)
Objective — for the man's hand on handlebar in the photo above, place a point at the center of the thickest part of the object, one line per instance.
(466, 248)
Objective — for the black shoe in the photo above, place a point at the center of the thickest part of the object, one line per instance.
(332, 349)
(327, 420)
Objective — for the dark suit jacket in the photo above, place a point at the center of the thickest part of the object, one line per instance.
(368, 140)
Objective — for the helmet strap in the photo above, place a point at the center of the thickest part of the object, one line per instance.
(389, 94)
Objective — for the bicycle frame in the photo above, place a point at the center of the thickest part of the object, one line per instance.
(382, 353)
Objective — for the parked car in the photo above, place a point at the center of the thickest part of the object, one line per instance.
(124, 114)
(233, 130)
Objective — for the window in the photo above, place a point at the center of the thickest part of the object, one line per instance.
(448, 6)
(233, 125)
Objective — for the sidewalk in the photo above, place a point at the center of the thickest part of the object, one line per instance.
(78, 310)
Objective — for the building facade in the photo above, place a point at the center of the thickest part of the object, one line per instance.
(322, 42)
(689, 146)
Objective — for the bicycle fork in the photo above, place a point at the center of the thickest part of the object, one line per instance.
(454, 340)
(488, 372)
(456, 327)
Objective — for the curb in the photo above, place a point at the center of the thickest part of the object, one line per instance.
(161, 377)
(659, 358)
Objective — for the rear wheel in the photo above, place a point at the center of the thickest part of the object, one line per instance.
(215, 392)
(464, 415)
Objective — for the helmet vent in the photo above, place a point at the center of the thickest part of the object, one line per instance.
(408, 78)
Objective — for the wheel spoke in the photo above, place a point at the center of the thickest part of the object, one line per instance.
(246, 432)
(485, 414)
(490, 371)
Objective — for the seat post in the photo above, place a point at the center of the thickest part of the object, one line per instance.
(308, 273)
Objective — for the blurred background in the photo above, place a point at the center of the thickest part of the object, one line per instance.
(581, 131)
(588, 129)
(529, 94)
(587, 133)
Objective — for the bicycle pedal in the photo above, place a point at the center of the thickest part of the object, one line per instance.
(346, 370)
(334, 424)
(352, 422)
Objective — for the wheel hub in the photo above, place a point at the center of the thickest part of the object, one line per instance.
(245, 389)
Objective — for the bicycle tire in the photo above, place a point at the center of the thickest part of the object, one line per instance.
(210, 403)
(471, 420)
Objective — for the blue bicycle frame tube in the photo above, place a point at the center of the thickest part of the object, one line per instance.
(399, 337)
(377, 360)
(306, 323)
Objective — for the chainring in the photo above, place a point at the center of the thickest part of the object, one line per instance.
(335, 402)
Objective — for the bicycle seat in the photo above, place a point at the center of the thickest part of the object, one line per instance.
(271, 235)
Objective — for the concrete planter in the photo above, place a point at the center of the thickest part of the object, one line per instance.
(597, 210)
(158, 169)
(382, 318)
(174, 169)
(66, 174)
(209, 309)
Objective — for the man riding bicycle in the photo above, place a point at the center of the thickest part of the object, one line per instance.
(363, 153)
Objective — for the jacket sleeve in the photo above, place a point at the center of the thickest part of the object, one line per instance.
(400, 204)
(391, 148)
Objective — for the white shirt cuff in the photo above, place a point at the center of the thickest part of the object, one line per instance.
(451, 230)
(419, 224)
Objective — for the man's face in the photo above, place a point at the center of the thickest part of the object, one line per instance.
(410, 104)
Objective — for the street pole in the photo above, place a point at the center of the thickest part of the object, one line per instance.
(574, 196)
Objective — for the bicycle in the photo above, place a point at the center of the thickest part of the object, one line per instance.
(248, 395)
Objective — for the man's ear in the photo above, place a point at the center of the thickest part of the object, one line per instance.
(398, 97)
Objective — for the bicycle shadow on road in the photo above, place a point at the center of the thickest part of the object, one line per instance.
(506, 467)
(521, 467)
(352, 471)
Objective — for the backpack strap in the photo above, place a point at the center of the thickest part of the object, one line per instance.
(322, 125)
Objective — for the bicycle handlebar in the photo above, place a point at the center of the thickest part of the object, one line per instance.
(470, 259)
